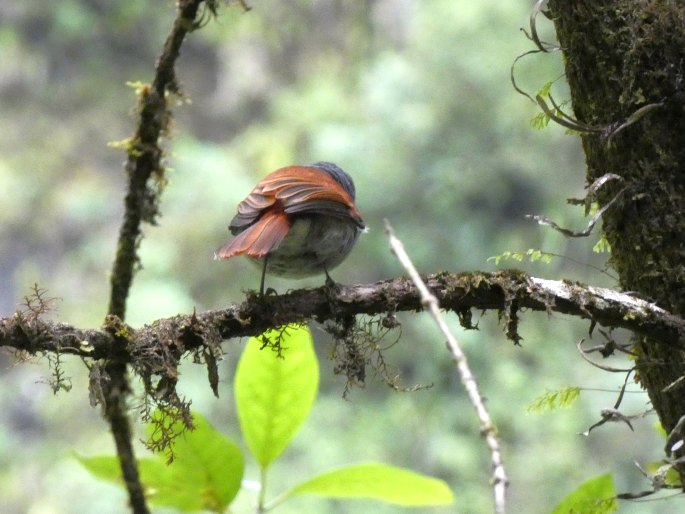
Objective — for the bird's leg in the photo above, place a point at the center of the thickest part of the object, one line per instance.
(261, 284)
(330, 282)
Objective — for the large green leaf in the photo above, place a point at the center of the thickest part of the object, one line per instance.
(381, 482)
(152, 471)
(594, 496)
(274, 393)
(208, 464)
(105, 467)
(205, 475)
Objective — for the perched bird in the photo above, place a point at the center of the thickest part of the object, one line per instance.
(297, 222)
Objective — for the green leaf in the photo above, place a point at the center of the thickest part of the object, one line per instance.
(380, 482)
(105, 467)
(495, 258)
(207, 464)
(540, 121)
(544, 90)
(552, 400)
(602, 246)
(594, 496)
(275, 390)
(152, 470)
(532, 254)
(538, 255)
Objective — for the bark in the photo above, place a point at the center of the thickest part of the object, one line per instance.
(622, 56)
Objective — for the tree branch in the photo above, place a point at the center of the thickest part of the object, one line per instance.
(144, 165)
(145, 181)
(508, 291)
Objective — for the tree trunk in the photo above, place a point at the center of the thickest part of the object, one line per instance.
(623, 55)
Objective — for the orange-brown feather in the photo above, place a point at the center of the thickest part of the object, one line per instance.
(308, 189)
(259, 239)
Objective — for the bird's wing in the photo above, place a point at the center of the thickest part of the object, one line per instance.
(295, 190)
(304, 189)
(258, 239)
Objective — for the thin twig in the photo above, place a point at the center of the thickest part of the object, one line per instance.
(544, 47)
(144, 165)
(634, 118)
(488, 429)
(512, 76)
(603, 367)
(561, 120)
(542, 220)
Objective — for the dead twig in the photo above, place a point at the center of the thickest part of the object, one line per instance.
(488, 430)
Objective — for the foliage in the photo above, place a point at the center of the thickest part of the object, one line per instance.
(381, 482)
(602, 246)
(551, 400)
(594, 496)
(205, 475)
(531, 254)
(540, 121)
(275, 391)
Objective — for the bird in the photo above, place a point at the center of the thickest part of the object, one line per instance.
(298, 221)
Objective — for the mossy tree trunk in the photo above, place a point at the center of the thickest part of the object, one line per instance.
(623, 55)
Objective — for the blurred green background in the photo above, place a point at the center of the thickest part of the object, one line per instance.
(413, 99)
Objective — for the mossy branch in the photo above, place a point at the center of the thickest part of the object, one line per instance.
(146, 178)
(457, 292)
(144, 164)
